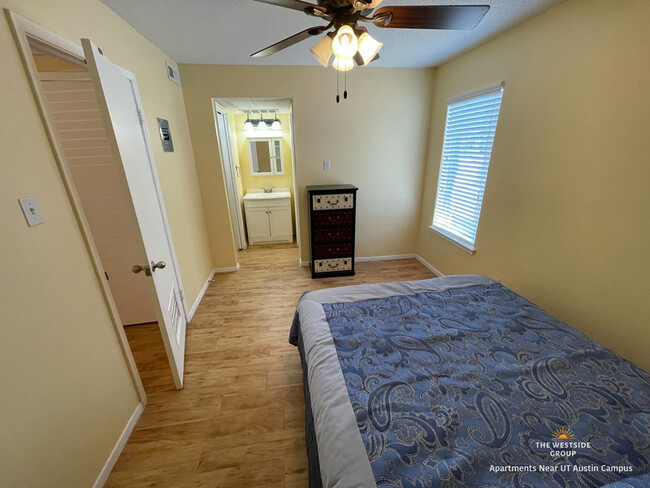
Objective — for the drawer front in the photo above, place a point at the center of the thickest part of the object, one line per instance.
(275, 202)
(329, 265)
(332, 201)
(332, 250)
(334, 218)
(340, 234)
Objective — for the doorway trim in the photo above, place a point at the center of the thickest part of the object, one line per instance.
(22, 29)
(232, 195)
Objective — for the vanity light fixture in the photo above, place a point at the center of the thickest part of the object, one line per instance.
(261, 124)
(276, 123)
(248, 125)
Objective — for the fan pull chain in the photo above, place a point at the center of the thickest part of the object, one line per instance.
(345, 85)
(337, 88)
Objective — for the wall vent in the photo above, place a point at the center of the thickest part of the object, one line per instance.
(172, 74)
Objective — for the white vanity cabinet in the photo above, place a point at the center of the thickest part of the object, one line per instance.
(268, 217)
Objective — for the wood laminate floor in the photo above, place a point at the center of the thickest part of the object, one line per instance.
(239, 420)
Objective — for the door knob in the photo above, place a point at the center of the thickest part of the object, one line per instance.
(137, 268)
(158, 265)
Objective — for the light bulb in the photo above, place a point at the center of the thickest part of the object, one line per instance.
(322, 51)
(343, 64)
(345, 43)
(368, 47)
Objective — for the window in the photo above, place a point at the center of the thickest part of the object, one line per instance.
(266, 156)
(469, 134)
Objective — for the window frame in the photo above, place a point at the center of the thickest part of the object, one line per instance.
(459, 241)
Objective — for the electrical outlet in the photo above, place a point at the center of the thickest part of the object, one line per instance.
(326, 165)
(31, 211)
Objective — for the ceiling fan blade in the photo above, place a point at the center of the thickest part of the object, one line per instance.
(289, 41)
(295, 5)
(461, 17)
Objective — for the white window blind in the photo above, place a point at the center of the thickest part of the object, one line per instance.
(469, 134)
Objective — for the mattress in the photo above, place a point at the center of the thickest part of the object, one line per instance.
(458, 381)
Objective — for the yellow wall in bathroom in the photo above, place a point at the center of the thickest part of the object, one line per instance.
(251, 181)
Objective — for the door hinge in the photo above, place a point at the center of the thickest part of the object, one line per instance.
(182, 295)
(141, 117)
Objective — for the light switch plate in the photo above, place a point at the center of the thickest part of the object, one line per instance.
(31, 211)
(326, 165)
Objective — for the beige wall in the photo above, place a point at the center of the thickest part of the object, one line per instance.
(66, 391)
(376, 140)
(567, 203)
(249, 180)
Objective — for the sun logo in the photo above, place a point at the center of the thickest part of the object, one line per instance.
(563, 433)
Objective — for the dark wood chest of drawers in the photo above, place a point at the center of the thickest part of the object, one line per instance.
(332, 216)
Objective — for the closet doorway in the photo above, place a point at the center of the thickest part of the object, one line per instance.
(93, 115)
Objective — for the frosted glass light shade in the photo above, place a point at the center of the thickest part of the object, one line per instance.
(345, 43)
(343, 64)
(368, 47)
(248, 125)
(276, 124)
(322, 51)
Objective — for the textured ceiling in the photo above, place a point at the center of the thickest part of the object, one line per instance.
(244, 105)
(228, 31)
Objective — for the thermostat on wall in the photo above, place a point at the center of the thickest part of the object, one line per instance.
(172, 74)
(165, 135)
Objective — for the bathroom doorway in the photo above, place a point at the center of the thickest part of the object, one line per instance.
(256, 147)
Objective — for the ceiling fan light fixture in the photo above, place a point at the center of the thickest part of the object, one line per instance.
(345, 43)
(368, 47)
(343, 64)
(322, 51)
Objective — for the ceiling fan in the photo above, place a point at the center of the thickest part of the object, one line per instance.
(352, 44)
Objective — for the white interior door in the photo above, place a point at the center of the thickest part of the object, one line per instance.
(231, 184)
(78, 125)
(126, 129)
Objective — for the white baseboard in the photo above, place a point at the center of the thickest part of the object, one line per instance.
(119, 446)
(390, 257)
(430, 266)
(205, 288)
(224, 270)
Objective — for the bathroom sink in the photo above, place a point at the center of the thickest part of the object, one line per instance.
(267, 196)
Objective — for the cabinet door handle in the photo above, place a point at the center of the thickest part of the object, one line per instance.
(332, 203)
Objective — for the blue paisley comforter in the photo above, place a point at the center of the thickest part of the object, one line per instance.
(476, 386)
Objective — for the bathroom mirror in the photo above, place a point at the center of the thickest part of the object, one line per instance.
(266, 156)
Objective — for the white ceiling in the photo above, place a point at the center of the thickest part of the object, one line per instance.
(228, 31)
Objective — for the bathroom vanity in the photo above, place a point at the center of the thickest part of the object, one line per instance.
(268, 216)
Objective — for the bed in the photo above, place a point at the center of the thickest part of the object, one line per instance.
(458, 381)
